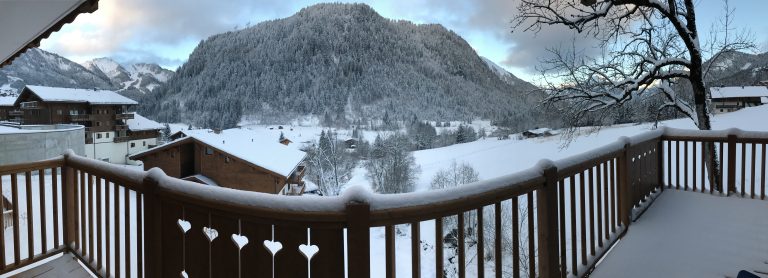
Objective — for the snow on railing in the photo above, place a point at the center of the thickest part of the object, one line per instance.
(560, 216)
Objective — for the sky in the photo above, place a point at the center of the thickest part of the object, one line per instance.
(166, 31)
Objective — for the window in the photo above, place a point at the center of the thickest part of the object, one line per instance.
(107, 134)
(144, 143)
(133, 145)
(98, 123)
(226, 159)
(59, 112)
(98, 135)
(208, 151)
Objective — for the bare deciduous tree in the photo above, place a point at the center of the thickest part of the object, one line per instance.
(648, 47)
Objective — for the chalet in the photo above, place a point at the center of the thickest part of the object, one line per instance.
(539, 132)
(112, 131)
(729, 99)
(6, 108)
(233, 158)
(350, 143)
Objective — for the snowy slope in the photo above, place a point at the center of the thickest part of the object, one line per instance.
(138, 78)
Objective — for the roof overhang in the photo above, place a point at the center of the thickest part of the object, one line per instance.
(24, 23)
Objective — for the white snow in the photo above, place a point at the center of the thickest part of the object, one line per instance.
(139, 122)
(80, 95)
(256, 148)
(7, 101)
(743, 91)
(687, 234)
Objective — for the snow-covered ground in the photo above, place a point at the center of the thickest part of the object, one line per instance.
(692, 235)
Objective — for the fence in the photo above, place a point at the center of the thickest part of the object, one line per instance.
(553, 220)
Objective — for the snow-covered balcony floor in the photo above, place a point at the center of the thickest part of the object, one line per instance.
(689, 234)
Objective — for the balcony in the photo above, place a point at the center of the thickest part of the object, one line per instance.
(124, 116)
(16, 113)
(557, 219)
(121, 127)
(29, 105)
(80, 118)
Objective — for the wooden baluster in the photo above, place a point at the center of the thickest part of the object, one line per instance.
(723, 189)
(416, 249)
(731, 164)
(2, 220)
(583, 218)
(531, 237)
(685, 171)
(100, 236)
(752, 177)
(480, 244)
(82, 213)
(389, 246)
(139, 237)
(15, 201)
(574, 240)
(762, 175)
(43, 218)
(497, 241)
(677, 163)
(69, 205)
(91, 254)
(127, 234)
(55, 192)
(515, 238)
(358, 240)
(461, 240)
(107, 230)
(590, 194)
(743, 168)
(30, 218)
(546, 212)
(669, 164)
(598, 187)
(693, 162)
(561, 231)
(116, 218)
(438, 247)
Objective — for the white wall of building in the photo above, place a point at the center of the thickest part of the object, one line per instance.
(107, 150)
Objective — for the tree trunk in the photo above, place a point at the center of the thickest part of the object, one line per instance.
(703, 118)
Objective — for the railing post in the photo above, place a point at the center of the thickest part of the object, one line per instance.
(660, 163)
(625, 197)
(152, 227)
(69, 204)
(546, 211)
(731, 164)
(358, 239)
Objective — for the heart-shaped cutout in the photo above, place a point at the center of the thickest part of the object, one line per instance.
(184, 225)
(210, 233)
(239, 240)
(273, 246)
(183, 274)
(309, 251)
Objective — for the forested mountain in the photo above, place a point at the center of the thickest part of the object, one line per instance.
(39, 67)
(737, 69)
(342, 62)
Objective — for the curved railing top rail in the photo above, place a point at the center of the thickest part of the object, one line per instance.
(384, 208)
(713, 135)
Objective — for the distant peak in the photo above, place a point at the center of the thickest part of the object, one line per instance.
(338, 8)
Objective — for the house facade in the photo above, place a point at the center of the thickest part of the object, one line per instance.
(112, 130)
(729, 99)
(230, 158)
(6, 107)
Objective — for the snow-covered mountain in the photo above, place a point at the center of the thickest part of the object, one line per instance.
(38, 67)
(737, 69)
(506, 76)
(131, 80)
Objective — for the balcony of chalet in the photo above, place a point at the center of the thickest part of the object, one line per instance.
(80, 117)
(121, 127)
(16, 113)
(124, 116)
(644, 206)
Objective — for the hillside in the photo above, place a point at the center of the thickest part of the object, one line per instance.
(39, 67)
(342, 62)
(738, 69)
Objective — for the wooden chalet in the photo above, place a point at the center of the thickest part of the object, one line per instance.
(729, 99)
(6, 108)
(231, 158)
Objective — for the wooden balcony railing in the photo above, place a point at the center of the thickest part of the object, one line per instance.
(123, 116)
(556, 219)
(80, 118)
(15, 113)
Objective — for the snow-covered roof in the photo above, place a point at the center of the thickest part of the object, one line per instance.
(734, 92)
(255, 148)
(80, 95)
(203, 178)
(7, 101)
(139, 123)
(540, 130)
